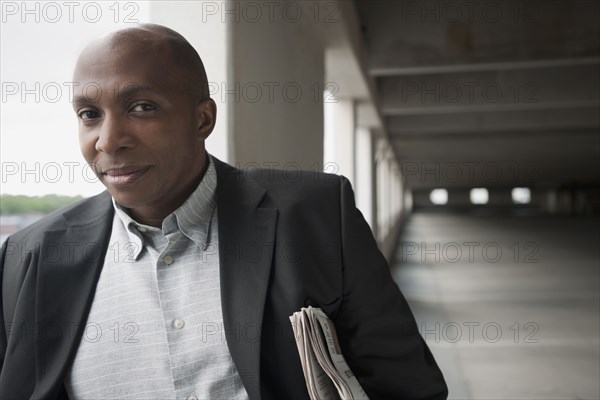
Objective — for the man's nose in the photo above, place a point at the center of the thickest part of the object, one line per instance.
(114, 136)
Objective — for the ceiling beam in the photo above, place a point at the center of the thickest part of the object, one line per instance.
(482, 67)
(490, 133)
(552, 120)
(487, 108)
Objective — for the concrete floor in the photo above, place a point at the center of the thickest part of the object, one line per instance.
(510, 306)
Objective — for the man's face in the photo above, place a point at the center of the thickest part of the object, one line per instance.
(139, 128)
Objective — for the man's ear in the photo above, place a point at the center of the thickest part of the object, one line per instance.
(206, 112)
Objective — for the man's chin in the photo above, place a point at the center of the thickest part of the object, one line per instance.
(127, 198)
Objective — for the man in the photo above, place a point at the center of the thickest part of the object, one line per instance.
(178, 281)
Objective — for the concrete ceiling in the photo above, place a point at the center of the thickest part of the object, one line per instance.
(488, 93)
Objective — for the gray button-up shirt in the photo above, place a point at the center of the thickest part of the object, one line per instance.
(155, 328)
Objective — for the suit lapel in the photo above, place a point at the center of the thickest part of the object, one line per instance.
(70, 263)
(246, 241)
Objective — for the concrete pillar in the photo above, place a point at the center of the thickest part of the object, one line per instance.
(408, 202)
(385, 187)
(339, 147)
(550, 201)
(388, 193)
(381, 189)
(499, 197)
(420, 198)
(364, 174)
(278, 67)
(397, 192)
(459, 197)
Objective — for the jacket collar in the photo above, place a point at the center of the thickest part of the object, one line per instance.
(69, 266)
(246, 242)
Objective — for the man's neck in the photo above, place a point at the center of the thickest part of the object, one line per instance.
(154, 215)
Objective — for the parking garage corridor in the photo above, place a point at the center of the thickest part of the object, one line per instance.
(508, 305)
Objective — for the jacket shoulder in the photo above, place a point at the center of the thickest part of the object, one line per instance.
(295, 179)
(288, 181)
(59, 219)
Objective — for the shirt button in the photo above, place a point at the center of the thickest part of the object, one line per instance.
(168, 260)
(192, 397)
(178, 323)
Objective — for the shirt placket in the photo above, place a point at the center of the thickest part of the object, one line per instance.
(176, 325)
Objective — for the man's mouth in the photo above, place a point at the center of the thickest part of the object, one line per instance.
(124, 175)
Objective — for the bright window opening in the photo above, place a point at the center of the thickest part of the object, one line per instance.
(479, 196)
(439, 197)
(521, 195)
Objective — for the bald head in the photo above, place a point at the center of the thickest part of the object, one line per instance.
(156, 44)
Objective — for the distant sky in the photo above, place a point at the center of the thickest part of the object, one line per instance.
(39, 150)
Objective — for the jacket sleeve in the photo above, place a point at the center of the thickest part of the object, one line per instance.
(378, 333)
(3, 338)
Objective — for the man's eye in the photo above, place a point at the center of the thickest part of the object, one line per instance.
(143, 107)
(88, 114)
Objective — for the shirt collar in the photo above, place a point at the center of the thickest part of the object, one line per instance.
(195, 214)
(192, 218)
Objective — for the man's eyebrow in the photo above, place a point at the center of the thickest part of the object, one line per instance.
(127, 92)
(79, 101)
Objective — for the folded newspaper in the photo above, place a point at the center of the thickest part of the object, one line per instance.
(327, 374)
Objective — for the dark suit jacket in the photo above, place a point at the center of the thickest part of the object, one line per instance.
(285, 241)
